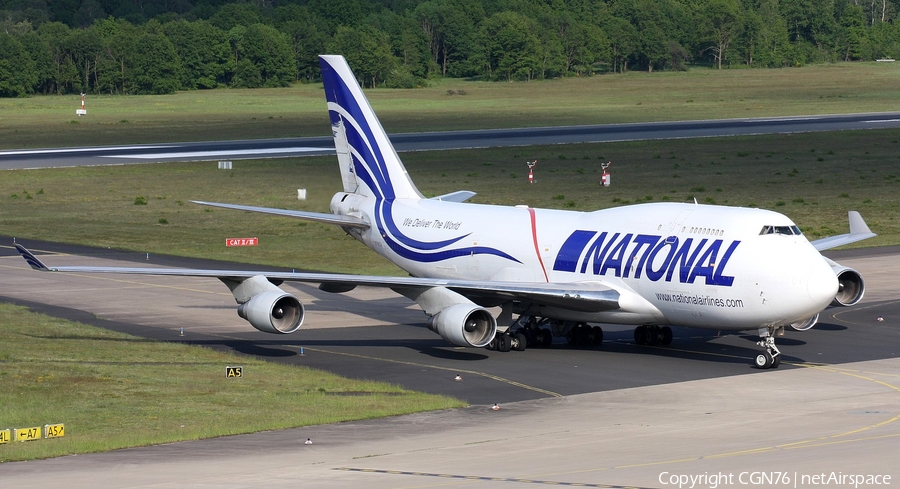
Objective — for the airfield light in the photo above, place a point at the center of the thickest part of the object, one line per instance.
(604, 178)
(80, 112)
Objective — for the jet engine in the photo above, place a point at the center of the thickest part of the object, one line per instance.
(804, 324)
(850, 286)
(273, 311)
(464, 325)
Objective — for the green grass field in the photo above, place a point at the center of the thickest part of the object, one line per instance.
(50, 121)
(113, 390)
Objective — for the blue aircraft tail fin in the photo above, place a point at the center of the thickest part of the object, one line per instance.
(369, 164)
(32, 260)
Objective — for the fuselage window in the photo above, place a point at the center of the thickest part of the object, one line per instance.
(709, 231)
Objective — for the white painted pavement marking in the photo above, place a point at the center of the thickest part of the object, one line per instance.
(216, 154)
(78, 150)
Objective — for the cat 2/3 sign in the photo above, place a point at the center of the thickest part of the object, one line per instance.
(241, 241)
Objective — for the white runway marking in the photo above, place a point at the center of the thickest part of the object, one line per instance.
(217, 154)
(78, 150)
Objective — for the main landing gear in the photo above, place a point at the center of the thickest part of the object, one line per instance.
(530, 331)
(653, 335)
(507, 342)
(771, 358)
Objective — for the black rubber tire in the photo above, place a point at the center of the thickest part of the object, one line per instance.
(764, 360)
(504, 343)
(576, 337)
(521, 342)
(640, 335)
(666, 335)
(651, 335)
(587, 334)
(776, 361)
(546, 338)
(532, 336)
(596, 335)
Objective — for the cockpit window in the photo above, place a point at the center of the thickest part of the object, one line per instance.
(785, 230)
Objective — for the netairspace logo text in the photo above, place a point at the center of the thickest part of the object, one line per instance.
(772, 479)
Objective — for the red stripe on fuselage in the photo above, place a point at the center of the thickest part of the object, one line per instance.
(537, 249)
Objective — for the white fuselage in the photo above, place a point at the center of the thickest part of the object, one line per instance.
(685, 264)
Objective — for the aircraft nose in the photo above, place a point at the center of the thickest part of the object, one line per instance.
(822, 284)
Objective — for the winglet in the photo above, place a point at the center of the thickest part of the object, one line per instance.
(857, 225)
(859, 231)
(31, 259)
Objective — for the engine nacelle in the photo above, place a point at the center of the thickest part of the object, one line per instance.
(804, 324)
(464, 325)
(850, 286)
(273, 311)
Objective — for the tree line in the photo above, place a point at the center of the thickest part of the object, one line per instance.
(159, 46)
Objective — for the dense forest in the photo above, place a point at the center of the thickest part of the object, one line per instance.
(159, 46)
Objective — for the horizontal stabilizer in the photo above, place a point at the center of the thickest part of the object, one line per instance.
(859, 231)
(459, 196)
(344, 221)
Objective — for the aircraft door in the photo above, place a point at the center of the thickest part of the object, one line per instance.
(678, 223)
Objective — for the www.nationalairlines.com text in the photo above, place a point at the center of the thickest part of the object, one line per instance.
(700, 300)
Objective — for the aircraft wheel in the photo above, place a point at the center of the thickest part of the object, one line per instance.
(666, 335)
(493, 343)
(577, 335)
(521, 342)
(596, 335)
(531, 335)
(651, 335)
(776, 361)
(640, 335)
(546, 338)
(764, 360)
(504, 343)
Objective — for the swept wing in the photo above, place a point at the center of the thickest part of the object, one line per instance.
(579, 296)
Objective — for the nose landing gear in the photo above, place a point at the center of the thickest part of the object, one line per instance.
(771, 358)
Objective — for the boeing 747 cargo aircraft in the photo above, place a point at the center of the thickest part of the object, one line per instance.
(558, 273)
